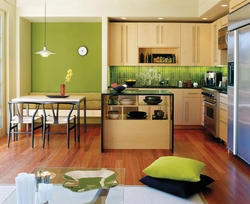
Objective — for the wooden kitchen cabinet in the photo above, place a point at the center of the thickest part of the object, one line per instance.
(218, 57)
(236, 4)
(123, 44)
(195, 44)
(223, 117)
(178, 110)
(159, 35)
(192, 107)
(224, 21)
(187, 106)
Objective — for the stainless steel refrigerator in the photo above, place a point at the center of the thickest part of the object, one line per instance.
(239, 82)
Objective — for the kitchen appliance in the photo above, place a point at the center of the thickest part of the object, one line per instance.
(213, 78)
(211, 110)
(238, 86)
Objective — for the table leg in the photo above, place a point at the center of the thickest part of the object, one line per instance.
(78, 121)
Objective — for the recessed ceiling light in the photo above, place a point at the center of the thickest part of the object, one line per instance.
(123, 18)
(160, 18)
(204, 18)
(224, 5)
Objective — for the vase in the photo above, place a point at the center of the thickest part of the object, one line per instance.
(62, 89)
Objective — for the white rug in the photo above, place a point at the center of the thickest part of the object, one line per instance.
(132, 195)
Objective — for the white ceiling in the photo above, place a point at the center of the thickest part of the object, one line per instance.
(134, 10)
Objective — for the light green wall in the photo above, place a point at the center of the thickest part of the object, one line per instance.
(64, 39)
(25, 57)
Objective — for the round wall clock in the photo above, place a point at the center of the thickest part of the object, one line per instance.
(82, 50)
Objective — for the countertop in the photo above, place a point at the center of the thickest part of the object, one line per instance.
(220, 89)
(138, 92)
(160, 86)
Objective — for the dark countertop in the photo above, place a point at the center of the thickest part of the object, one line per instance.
(138, 92)
(160, 86)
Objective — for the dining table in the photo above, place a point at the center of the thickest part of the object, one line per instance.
(76, 99)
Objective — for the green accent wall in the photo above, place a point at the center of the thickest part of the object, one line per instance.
(64, 39)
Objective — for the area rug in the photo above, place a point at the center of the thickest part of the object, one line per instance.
(132, 195)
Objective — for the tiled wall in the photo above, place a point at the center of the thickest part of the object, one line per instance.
(152, 75)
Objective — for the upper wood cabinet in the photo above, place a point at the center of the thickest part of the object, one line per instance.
(236, 4)
(223, 21)
(123, 44)
(218, 57)
(158, 34)
(195, 44)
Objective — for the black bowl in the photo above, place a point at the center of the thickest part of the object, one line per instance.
(119, 88)
(152, 102)
(154, 98)
(137, 114)
(130, 82)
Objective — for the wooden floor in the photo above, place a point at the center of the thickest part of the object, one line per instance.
(231, 174)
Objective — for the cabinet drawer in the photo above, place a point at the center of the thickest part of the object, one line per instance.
(223, 107)
(223, 114)
(223, 99)
(194, 93)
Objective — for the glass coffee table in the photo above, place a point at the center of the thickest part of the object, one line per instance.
(83, 185)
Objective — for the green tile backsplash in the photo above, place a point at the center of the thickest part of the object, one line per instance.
(151, 75)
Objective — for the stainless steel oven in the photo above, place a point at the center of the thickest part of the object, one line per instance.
(211, 120)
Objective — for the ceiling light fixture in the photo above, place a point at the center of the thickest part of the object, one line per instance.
(160, 18)
(45, 52)
(204, 18)
(224, 5)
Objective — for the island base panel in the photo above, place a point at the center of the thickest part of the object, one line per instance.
(135, 134)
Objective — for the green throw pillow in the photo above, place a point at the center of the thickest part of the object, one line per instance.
(176, 168)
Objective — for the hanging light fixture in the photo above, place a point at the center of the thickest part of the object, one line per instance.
(45, 52)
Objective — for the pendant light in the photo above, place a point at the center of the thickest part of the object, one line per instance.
(45, 52)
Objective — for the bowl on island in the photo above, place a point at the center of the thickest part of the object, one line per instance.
(130, 82)
(126, 101)
(119, 88)
(113, 114)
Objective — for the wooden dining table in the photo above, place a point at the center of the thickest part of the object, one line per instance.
(76, 99)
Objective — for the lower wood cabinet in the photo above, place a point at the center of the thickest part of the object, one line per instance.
(223, 117)
(188, 106)
(137, 133)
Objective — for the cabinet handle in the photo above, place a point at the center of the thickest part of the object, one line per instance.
(122, 43)
(193, 44)
(126, 43)
(198, 45)
(157, 34)
(186, 107)
(161, 34)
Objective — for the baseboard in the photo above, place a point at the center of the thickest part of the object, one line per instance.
(188, 127)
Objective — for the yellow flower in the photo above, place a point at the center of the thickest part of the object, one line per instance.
(68, 76)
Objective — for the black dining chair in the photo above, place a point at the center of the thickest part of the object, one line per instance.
(53, 116)
(20, 113)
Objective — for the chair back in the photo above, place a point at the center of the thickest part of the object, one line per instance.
(16, 110)
(54, 109)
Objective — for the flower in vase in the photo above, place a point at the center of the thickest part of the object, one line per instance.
(68, 76)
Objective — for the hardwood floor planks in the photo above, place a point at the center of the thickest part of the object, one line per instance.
(231, 174)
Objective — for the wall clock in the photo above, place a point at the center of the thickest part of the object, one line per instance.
(82, 50)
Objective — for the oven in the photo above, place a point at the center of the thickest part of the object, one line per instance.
(211, 108)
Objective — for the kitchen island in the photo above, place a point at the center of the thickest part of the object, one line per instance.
(147, 132)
